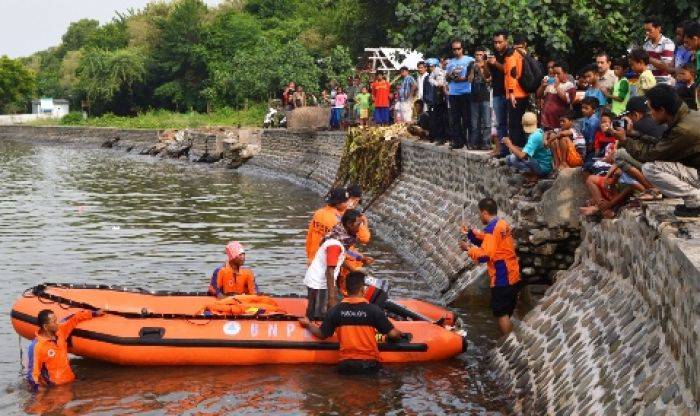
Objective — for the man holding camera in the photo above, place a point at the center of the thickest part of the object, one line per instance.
(671, 164)
(459, 75)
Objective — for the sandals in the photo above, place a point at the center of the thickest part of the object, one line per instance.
(650, 195)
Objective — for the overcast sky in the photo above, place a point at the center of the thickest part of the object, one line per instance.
(27, 26)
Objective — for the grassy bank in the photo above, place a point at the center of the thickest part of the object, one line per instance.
(162, 119)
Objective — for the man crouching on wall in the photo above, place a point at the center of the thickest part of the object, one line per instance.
(495, 247)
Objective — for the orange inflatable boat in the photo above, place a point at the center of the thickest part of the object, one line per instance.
(185, 328)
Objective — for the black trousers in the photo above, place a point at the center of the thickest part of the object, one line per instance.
(515, 121)
(438, 121)
(358, 367)
(460, 119)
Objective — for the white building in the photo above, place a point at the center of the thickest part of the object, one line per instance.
(53, 108)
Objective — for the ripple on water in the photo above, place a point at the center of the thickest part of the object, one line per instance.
(86, 215)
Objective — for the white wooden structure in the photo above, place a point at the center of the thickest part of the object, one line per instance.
(392, 59)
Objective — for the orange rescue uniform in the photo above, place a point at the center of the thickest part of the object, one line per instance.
(321, 224)
(226, 282)
(356, 322)
(48, 358)
(513, 70)
(496, 247)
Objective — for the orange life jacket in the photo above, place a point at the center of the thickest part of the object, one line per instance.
(48, 359)
(321, 224)
(496, 247)
(243, 305)
(224, 281)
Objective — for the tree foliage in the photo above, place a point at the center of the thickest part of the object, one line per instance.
(573, 30)
(183, 55)
(16, 82)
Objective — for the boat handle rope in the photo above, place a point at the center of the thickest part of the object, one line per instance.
(40, 293)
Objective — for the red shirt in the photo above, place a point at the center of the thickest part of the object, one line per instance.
(601, 141)
(380, 93)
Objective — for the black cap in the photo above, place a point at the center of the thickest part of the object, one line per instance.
(337, 196)
(354, 191)
(637, 104)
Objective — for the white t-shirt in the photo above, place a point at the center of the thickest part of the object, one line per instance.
(316, 273)
(421, 78)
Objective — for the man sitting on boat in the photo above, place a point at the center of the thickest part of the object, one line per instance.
(232, 278)
(322, 274)
(47, 363)
(356, 323)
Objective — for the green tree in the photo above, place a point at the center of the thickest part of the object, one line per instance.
(16, 83)
(338, 66)
(78, 34)
(107, 78)
(554, 27)
(110, 36)
(179, 55)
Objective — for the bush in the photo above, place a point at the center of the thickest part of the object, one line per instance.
(74, 117)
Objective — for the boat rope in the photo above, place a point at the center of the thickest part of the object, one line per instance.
(66, 303)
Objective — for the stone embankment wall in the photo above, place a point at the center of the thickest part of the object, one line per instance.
(617, 331)
(617, 334)
(437, 189)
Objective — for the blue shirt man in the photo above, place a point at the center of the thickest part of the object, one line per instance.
(459, 67)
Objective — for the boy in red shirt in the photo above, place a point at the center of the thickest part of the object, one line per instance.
(381, 90)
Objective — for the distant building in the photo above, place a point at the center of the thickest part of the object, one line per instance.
(54, 108)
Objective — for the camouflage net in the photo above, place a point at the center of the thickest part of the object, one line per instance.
(371, 158)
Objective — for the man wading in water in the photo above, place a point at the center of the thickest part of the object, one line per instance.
(356, 322)
(495, 246)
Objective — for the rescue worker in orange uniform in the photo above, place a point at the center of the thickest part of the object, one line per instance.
(47, 363)
(232, 278)
(324, 220)
(356, 322)
(495, 247)
(354, 260)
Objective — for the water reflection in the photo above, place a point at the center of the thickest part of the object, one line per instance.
(88, 215)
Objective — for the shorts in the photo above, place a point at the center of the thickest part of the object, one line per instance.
(504, 299)
(364, 113)
(358, 367)
(405, 111)
(316, 305)
(381, 115)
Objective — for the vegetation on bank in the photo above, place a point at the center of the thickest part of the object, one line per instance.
(164, 119)
(183, 56)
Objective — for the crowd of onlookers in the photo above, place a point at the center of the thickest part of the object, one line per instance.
(630, 122)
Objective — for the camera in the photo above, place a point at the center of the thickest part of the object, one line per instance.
(619, 123)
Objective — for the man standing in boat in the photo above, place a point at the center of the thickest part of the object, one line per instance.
(232, 278)
(354, 259)
(322, 274)
(47, 355)
(324, 219)
(495, 247)
(356, 322)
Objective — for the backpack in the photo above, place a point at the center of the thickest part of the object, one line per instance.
(532, 73)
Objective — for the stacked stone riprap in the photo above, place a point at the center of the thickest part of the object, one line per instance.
(617, 333)
(227, 147)
(309, 159)
(421, 212)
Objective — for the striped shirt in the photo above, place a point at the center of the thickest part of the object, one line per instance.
(663, 51)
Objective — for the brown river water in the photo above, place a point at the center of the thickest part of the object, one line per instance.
(85, 215)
